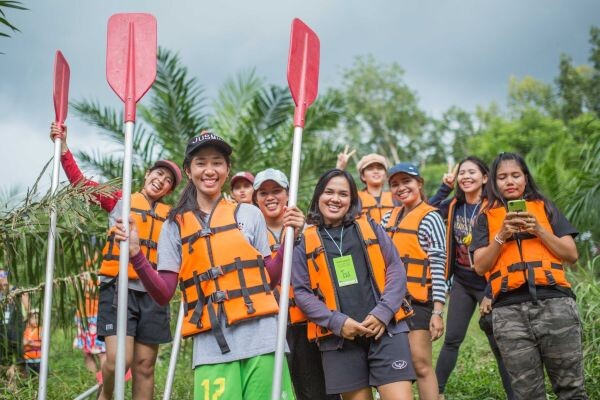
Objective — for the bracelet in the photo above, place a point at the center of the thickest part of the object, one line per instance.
(497, 239)
(436, 312)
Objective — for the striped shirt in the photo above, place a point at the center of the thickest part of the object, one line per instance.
(432, 238)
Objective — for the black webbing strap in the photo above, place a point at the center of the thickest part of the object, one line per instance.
(221, 296)
(149, 243)
(313, 256)
(214, 320)
(244, 288)
(196, 317)
(530, 274)
(204, 232)
(410, 260)
(369, 242)
(109, 256)
(263, 274)
(215, 272)
(415, 279)
(396, 229)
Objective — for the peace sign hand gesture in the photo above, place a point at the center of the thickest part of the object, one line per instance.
(344, 157)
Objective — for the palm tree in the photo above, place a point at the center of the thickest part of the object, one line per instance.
(256, 118)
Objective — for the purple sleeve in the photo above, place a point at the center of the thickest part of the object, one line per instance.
(395, 279)
(313, 308)
(274, 267)
(160, 285)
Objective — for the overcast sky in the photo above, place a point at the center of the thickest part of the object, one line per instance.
(455, 52)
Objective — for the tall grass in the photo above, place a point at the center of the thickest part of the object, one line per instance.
(586, 281)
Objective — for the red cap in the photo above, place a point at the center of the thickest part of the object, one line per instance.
(171, 166)
(242, 175)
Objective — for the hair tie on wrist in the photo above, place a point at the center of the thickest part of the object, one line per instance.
(497, 239)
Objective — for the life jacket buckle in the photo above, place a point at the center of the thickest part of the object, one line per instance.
(205, 232)
(219, 296)
(214, 272)
(250, 308)
(275, 247)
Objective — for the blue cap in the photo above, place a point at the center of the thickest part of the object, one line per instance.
(406, 168)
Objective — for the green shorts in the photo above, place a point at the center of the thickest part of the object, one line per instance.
(247, 379)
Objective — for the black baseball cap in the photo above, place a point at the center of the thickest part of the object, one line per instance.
(207, 138)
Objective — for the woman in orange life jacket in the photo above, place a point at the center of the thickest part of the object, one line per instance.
(241, 187)
(271, 197)
(218, 252)
(523, 255)
(148, 322)
(419, 234)
(468, 289)
(32, 343)
(349, 281)
(372, 172)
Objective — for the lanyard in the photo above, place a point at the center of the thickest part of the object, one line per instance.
(341, 240)
(469, 222)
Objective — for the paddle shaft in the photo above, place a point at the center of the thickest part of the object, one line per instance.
(123, 266)
(287, 269)
(43, 385)
(88, 392)
(174, 354)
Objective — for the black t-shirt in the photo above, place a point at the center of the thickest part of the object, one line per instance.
(464, 219)
(560, 227)
(356, 300)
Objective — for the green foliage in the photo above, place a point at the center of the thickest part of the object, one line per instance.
(381, 112)
(4, 4)
(586, 280)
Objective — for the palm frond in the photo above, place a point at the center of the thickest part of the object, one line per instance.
(176, 105)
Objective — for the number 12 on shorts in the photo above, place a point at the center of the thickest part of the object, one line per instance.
(218, 388)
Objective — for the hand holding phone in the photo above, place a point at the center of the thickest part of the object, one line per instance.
(517, 205)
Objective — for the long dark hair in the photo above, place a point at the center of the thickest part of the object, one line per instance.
(188, 200)
(532, 192)
(460, 194)
(314, 214)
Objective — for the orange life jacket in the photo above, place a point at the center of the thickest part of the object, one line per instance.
(221, 274)
(149, 220)
(403, 230)
(295, 315)
(321, 279)
(510, 271)
(371, 207)
(32, 351)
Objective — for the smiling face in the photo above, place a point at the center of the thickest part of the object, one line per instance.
(208, 171)
(242, 191)
(406, 189)
(470, 178)
(158, 183)
(271, 199)
(373, 174)
(510, 180)
(335, 200)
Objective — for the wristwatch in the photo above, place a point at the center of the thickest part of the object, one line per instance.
(436, 312)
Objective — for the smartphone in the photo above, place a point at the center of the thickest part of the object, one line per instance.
(517, 205)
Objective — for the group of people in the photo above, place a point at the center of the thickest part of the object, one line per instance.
(369, 284)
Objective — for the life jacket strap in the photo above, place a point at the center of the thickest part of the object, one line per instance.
(204, 232)
(396, 229)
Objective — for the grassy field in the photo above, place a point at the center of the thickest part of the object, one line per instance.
(475, 377)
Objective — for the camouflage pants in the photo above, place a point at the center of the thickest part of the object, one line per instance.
(531, 337)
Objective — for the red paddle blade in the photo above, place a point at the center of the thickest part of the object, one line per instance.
(62, 74)
(303, 68)
(131, 57)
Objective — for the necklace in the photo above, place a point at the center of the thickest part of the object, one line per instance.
(469, 222)
(341, 240)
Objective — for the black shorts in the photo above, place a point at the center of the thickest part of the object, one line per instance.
(147, 321)
(365, 362)
(422, 316)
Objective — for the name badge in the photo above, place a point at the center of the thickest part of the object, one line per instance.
(344, 270)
